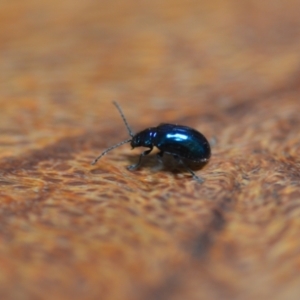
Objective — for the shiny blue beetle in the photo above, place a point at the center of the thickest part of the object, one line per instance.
(185, 144)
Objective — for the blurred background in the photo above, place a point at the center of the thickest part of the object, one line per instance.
(230, 69)
(152, 54)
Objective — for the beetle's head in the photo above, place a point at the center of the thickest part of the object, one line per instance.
(143, 138)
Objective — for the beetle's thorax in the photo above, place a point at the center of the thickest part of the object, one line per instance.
(144, 138)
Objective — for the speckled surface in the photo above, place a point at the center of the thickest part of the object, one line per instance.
(70, 230)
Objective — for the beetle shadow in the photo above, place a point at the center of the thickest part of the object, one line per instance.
(167, 164)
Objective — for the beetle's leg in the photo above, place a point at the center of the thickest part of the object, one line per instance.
(159, 156)
(197, 178)
(213, 141)
(136, 166)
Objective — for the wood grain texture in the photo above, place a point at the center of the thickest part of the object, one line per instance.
(69, 230)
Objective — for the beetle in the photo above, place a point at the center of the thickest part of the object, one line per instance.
(182, 142)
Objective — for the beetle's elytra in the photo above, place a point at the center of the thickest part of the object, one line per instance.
(182, 142)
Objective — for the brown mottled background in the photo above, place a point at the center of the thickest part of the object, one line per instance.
(69, 230)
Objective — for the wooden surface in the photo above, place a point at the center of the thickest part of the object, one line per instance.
(69, 230)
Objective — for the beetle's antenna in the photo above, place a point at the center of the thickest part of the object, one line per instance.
(123, 117)
(107, 150)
